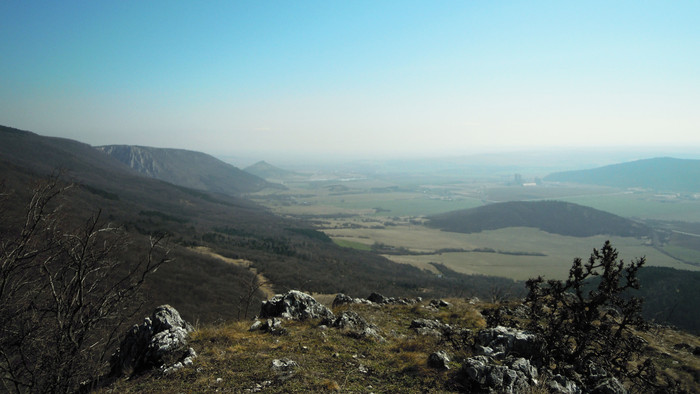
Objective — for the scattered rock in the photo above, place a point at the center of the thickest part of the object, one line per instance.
(483, 350)
(186, 362)
(427, 323)
(272, 326)
(294, 305)
(284, 368)
(259, 386)
(444, 331)
(515, 376)
(354, 325)
(429, 327)
(342, 299)
(377, 298)
(439, 360)
(523, 365)
(439, 304)
(403, 301)
(160, 341)
(504, 366)
(561, 385)
(505, 340)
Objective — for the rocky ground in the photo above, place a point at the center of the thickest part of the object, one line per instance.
(377, 344)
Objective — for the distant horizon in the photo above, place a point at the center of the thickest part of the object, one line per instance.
(622, 154)
(360, 78)
(589, 154)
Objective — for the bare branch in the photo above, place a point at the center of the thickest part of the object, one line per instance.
(64, 294)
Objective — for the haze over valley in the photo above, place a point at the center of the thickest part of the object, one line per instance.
(210, 156)
(469, 215)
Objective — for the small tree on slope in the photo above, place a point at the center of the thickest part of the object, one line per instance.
(588, 328)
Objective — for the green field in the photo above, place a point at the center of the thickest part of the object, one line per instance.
(351, 244)
(643, 206)
(401, 203)
(408, 205)
(357, 214)
(682, 253)
(362, 198)
(559, 250)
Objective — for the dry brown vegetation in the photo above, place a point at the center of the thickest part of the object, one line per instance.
(233, 359)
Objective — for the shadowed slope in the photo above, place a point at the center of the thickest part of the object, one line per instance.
(288, 252)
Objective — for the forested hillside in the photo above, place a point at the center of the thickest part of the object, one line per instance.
(671, 296)
(288, 252)
(555, 217)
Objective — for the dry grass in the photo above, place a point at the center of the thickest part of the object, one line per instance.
(233, 359)
(672, 352)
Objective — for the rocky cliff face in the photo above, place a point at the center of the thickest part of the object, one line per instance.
(136, 157)
(187, 168)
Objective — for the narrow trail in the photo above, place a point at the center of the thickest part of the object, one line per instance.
(266, 285)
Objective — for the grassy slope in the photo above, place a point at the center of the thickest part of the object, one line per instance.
(233, 359)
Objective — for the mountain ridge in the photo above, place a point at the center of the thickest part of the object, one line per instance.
(661, 174)
(289, 252)
(187, 168)
(266, 170)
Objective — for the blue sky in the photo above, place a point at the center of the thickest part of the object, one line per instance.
(353, 78)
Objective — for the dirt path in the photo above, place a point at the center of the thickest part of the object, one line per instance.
(265, 288)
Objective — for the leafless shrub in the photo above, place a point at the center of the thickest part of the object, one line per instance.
(251, 287)
(64, 293)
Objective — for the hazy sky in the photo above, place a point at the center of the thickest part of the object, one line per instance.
(351, 77)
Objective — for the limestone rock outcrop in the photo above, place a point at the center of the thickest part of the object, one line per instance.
(294, 305)
(354, 325)
(508, 363)
(284, 368)
(159, 342)
(374, 298)
(514, 376)
(439, 360)
(503, 341)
